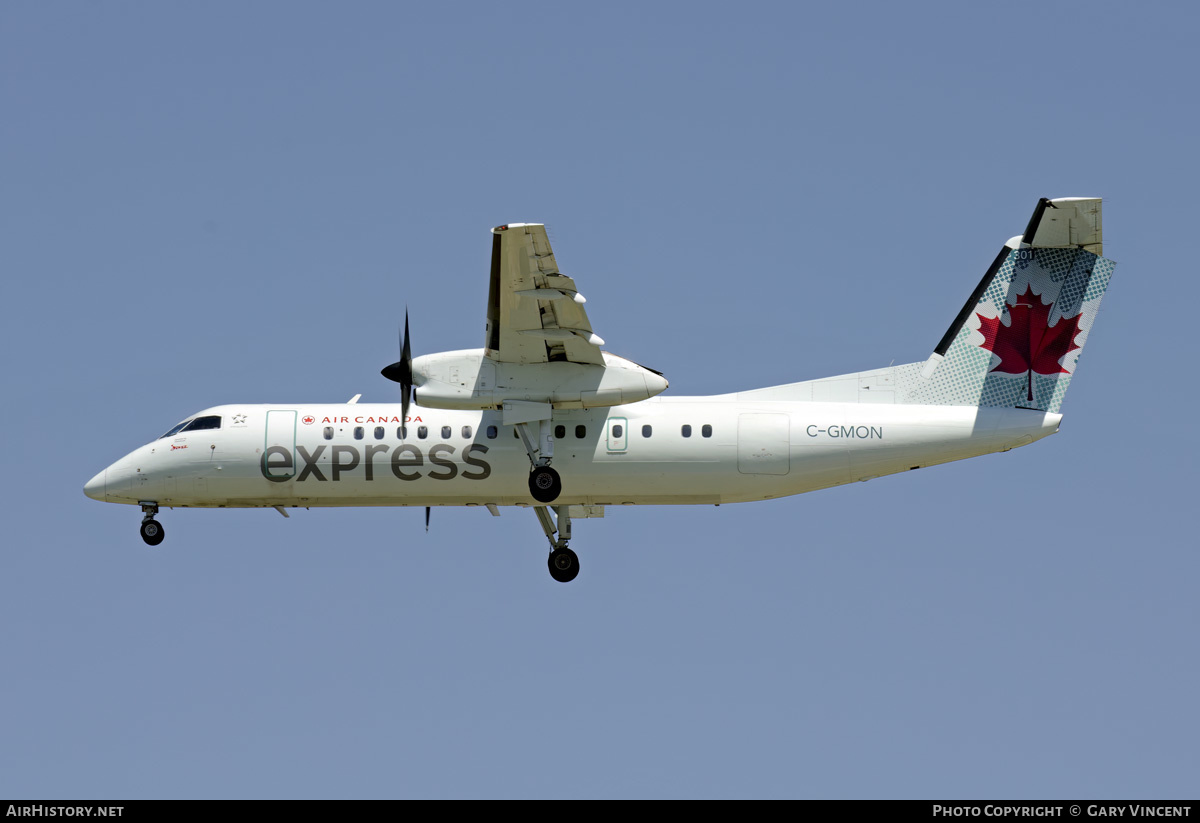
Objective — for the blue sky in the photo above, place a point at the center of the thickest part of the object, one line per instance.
(235, 202)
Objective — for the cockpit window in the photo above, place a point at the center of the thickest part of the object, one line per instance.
(174, 429)
(212, 421)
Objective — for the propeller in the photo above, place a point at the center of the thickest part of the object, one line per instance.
(426, 518)
(401, 371)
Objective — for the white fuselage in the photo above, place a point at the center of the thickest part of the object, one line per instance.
(738, 450)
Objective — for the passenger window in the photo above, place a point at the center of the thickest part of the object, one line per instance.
(580, 432)
(706, 431)
(466, 432)
(422, 432)
(202, 423)
(647, 431)
(379, 432)
(686, 430)
(618, 430)
(492, 431)
(329, 432)
(402, 432)
(445, 432)
(560, 432)
(358, 432)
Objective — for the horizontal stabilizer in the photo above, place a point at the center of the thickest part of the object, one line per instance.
(1065, 223)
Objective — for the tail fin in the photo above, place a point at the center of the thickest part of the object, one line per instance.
(1016, 342)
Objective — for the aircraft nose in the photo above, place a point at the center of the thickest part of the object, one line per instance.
(94, 488)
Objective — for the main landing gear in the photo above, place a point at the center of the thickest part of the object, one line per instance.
(563, 563)
(545, 486)
(152, 530)
(544, 483)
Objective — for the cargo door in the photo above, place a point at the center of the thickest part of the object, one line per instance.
(763, 444)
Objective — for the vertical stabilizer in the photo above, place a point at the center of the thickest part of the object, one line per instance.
(1017, 341)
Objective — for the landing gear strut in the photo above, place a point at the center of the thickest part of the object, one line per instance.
(563, 563)
(152, 530)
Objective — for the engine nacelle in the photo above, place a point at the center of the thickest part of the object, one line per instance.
(469, 380)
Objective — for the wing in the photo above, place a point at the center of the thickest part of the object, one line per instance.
(535, 314)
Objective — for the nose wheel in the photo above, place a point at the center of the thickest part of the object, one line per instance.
(152, 530)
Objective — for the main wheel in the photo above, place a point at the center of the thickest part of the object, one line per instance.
(564, 565)
(544, 484)
(152, 532)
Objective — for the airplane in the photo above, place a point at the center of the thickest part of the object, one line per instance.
(541, 417)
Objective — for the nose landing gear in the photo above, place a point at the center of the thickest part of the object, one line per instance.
(152, 530)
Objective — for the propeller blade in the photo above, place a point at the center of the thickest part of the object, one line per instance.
(406, 354)
(426, 518)
(406, 380)
(401, 371)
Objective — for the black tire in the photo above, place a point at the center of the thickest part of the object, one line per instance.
(545, 484)
(563, 564)
(152, 532)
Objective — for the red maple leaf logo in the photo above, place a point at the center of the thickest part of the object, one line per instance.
(1029, 343)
